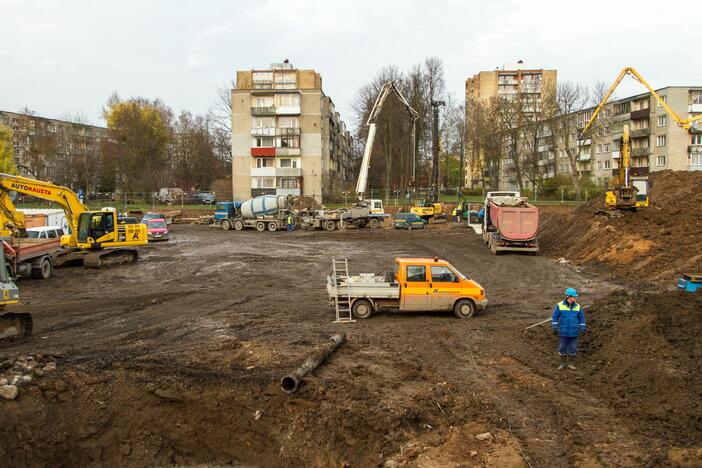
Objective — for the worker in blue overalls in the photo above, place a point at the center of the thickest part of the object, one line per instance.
(568, 322)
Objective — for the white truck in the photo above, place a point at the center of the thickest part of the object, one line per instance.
(368, 213)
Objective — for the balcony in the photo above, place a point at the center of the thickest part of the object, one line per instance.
(542, 162)
(287, 131)
(640, 132)
(585, 142)
(694, 108)
(287, 151)
(263, 172)
(295, 192)
(287, 172)
(287, 110)
(621, 117)
(694, 149)
(640, 152)
(633, 171)
(641, 113)
(616, 154)
(263, 151)
(544, 148)
(263, 131)
(260, 111)
(584, 157)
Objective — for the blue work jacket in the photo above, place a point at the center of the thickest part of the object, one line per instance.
(568, 319)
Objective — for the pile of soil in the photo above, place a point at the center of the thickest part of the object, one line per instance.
(642, 357)
(306, 204)
(658, 243)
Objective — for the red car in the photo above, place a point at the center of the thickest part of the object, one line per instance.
(157, 229)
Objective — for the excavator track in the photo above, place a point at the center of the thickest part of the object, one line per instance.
(110, 258)
(15, 326)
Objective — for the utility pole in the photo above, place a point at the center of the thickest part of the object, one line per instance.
(434, 189)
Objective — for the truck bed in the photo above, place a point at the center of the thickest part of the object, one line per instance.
(27, 248)
(364, 285)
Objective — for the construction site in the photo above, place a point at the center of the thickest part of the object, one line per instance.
(510, 280)
(186, 369)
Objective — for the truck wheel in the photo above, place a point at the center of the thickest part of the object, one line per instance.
(44, 270)
(361, 223)
(260, 226)
(226, 225)
(373, 223)
(341, 225)
(329, 225)
(272, 226)
(238, 225)
(362, 309)
(464, 308)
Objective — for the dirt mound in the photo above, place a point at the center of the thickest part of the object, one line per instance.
(642, 357)
(305, 204)
(658, 243)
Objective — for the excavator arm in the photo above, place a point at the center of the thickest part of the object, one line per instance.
(388, 88)
(631, 71)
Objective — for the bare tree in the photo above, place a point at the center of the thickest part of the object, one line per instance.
(571, 99)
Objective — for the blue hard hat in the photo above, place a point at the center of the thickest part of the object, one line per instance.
(571, 292)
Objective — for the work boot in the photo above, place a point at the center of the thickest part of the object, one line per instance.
(571, 366)
(564, 362)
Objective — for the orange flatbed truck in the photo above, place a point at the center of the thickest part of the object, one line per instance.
(414, 285)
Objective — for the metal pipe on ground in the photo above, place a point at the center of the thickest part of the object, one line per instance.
(290, 382)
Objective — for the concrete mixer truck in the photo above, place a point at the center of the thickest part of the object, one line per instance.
(267, 212)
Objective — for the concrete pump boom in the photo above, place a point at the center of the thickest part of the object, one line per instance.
(388, 87)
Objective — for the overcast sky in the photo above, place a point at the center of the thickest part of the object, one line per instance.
(68, 56)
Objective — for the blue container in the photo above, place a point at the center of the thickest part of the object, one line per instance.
(687, 284)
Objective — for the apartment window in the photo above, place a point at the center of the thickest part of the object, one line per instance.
(263, 142)
(662, 120)
(606, 164)
(285, 80)
(265, 162)
(263, 122)
(289, 121)
(664, 99)
(288, 141)
(696, 139)
(572, 137)
(287, 162)
(287, 100)
(262, 80)
(288, 182)
(660, 140)
(561, 139)
(697, 97)
(263, 182)
(263, 101)
(599, 165)
(696, 159)
(599, 149)
(660, 161)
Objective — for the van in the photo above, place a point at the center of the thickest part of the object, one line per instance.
(45, 232)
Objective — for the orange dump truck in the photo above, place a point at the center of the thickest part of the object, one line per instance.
(415, 284)
(510, 223)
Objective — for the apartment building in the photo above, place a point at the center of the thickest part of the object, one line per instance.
(287, 137)
(47, 149)
(657, 141)
(508, 82)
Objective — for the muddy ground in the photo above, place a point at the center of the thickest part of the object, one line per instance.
(176, 360)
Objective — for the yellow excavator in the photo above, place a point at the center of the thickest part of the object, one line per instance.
(623, 195)
(95, 236)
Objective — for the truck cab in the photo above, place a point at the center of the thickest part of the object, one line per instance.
(434, 284)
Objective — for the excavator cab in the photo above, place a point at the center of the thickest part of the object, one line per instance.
(95, 227)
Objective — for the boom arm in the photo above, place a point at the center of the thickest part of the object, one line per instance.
(388, 87)
(683, 123)
(65, 197)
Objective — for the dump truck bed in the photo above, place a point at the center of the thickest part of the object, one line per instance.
(28, 248)
(517, 223)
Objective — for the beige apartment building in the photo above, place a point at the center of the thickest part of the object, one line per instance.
(657, 141)
(49, 149)
(510, 81)
(287, 137)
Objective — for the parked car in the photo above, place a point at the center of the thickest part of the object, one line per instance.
(152, 215)
(206, 198)
(157, 229)
(408, 221)
(45, 232)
